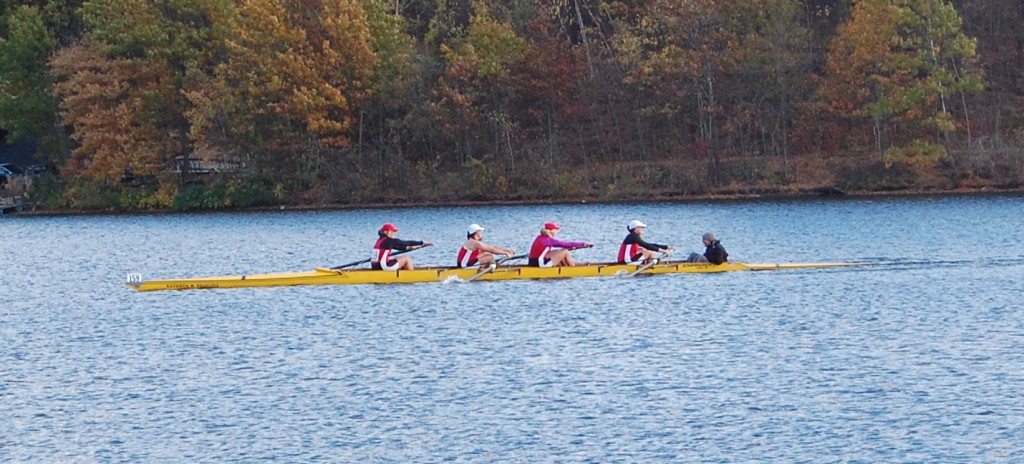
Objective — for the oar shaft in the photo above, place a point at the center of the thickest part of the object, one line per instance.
(512, 258)
(648, 265)
(364, 261)
(480, 274)
(494, 266)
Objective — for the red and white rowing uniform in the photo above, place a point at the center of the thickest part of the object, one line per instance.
(467, 257)
(629, 253)
(380, 257)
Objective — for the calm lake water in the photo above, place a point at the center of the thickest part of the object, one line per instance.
(918, 357)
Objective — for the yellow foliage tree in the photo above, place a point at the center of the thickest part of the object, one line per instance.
(293, 73)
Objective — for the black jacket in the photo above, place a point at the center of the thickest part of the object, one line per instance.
(633, 237)
(398, 244)
(716, 253)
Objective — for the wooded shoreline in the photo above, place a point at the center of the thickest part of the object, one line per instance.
(777, 195)
(354, 102)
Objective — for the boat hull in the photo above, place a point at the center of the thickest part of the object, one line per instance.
(425, 275)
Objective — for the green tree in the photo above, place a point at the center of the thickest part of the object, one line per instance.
(897, 63)
(682, 53)
(27, 108)
(395, 92)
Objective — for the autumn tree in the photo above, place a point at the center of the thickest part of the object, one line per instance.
(999, 28)
(287, 90)
(898, 64)
(546, 98)
(472, 96)
(769, 79)
(100, 102)
(123, 87)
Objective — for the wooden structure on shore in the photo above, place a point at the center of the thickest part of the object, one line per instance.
(15, 204)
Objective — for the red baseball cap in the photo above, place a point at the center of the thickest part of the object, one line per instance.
(389, 227)
(551, 226)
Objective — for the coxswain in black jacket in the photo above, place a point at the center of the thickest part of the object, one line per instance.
(715, 252)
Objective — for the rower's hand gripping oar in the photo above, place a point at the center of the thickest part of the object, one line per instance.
(654, 261)
(494, 266)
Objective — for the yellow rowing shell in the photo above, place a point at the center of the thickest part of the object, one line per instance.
(322, 276)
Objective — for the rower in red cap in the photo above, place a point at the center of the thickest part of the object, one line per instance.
(543, 252)
(381, 258)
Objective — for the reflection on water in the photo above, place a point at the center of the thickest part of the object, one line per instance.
(914, 358)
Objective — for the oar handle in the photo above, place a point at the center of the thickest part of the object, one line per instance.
(364, 261)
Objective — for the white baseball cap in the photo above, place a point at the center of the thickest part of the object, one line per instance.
(473, 228)
(634, 224)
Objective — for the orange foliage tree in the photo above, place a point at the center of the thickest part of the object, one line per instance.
(100, 102)
(122, 87)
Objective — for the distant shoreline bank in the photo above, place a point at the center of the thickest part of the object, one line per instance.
(752, 195)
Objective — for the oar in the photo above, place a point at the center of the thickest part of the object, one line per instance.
(494, 266)
(364, 261)
(512, 258)
(648, 265)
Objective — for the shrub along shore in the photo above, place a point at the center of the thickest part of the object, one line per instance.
(608, 184)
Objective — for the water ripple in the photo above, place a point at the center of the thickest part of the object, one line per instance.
(914, 358)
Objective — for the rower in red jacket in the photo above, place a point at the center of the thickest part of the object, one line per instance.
(547, 251)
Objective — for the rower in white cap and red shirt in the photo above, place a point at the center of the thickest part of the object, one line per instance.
(475, 251)
(547, 251)
(381, 259)
(634, 249)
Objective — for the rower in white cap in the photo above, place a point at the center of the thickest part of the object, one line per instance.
(475, 251)
(635, 250)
